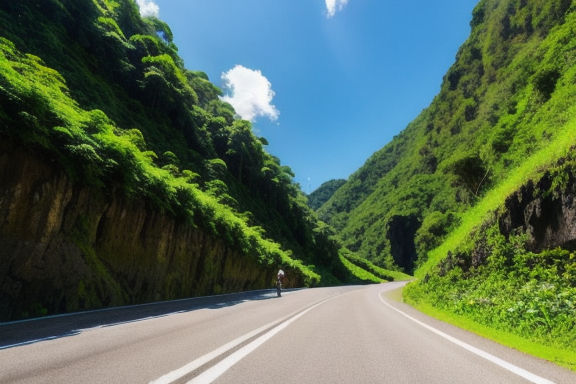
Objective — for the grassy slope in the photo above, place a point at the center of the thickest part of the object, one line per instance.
(360, 266)
(531, 170)
(547, 347)
(520, 299)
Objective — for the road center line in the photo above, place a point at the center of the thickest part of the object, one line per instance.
(217, 370)
(504, 364)
(214, 372)
(181, 372)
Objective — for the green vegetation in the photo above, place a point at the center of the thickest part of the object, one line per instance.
(102, 93)
(556, 354)
(380, 273)
(532, 169)
(496, 280)
(471, 195)
(360, 273)
(324, 193)
(519, 292)
(508, 95)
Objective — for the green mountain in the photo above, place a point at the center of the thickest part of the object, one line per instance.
(508, 95)
(321, 195)
(477, 195)
(125, 179)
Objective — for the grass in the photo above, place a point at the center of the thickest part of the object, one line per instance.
(562, 357)
(367, 271)
(395, 294)
(360, 273)
(531, 169)
(398, 276)
(372, 269)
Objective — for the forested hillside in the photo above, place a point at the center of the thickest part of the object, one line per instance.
(321, 195)
(123, 176)
(477, 194)
(509, 93)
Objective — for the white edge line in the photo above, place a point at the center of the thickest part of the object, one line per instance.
(73, 333)
(504, 364)
(264, 292)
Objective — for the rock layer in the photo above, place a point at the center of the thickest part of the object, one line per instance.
(66, 247)
(546, 214)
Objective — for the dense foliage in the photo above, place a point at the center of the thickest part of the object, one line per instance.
(509, 93)
(103, 93)
(529, 294)
(321, 195)
(434, 199)
(506, 279)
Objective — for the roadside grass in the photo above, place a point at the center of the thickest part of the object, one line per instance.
(562, 357)
(374, 270)
(360, 273)
(534, 167)
(388, 274)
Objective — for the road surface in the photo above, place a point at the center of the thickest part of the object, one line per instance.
(325, 335)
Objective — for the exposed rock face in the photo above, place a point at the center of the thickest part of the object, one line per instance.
(65, 247)
(548, 217)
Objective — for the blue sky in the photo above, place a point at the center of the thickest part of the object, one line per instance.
(326, 82)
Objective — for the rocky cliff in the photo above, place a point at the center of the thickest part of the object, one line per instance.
(545, 212)
(65, 247)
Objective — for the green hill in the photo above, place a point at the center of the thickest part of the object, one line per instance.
(476, 194)
(321, 195)
(509, 94)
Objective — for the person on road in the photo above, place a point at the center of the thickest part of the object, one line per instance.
(279, 279)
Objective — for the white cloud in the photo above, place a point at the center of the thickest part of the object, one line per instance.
(335, 5)
(250, 93)
(148, 8)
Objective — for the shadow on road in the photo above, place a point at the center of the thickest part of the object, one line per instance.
(30, 331)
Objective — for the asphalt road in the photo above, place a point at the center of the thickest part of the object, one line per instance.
(324, 335)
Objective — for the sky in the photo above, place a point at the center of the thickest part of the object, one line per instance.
(326, 82)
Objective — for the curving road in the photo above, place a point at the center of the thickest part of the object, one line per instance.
(324, 335)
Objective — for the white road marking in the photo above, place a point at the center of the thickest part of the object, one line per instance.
(214, 372)
(175, 375)
(504, 364)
